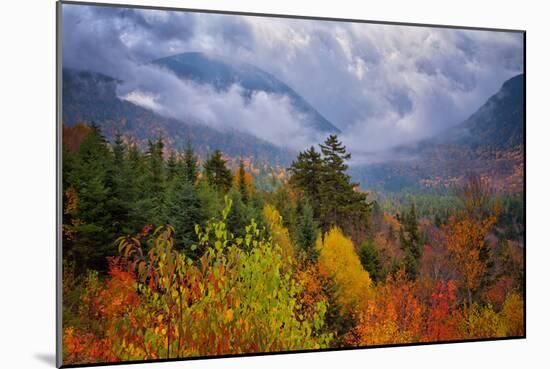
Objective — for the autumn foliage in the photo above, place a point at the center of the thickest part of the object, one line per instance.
(210, 264)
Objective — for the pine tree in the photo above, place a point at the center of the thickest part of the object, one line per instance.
(217, 173)
(341, 205)
(306, 175)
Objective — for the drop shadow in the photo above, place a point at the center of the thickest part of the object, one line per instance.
(46, 358)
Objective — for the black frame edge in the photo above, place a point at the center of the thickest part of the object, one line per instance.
(290, 16)
(59, 189)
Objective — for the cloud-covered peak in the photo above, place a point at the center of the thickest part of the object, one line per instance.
(382, 85)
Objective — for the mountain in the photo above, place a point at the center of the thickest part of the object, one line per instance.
(91, 97)
(490, 143)
(222, 73)
(498, 123)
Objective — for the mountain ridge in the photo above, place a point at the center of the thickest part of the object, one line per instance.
(221, 73)
(91, 97)
(490, 142)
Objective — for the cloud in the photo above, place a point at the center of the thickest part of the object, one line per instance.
(268, 116)
(381, 85)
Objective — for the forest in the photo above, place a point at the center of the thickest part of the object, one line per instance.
(170, 255)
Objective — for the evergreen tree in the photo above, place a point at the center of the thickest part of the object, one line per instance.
(243, 188)
(156, 184)
(341, 205)
(411, 264)
(211, 200)
(94, 235)
(119, 201)
(190, 166)
(410, 240)
(287, 206)
(306, 175)
(369, 257)
(217, 173)
(307, 233)
(137, 189)
(185, 211)
(172, 166)
(239, 216)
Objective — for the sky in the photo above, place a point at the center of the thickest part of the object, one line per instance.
(381, 85)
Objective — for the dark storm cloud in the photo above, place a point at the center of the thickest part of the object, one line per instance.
(382, 85)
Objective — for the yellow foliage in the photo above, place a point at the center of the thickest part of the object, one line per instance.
(512, 315)
(338, 259)
(483, 322)
(279, 233)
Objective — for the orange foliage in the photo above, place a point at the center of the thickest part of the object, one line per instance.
(73, 136)
(104, 305)
(392, 315)
(465, 240)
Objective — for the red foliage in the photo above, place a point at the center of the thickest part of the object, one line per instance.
(442, 315)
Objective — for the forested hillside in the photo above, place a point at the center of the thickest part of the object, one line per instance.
(166, 256)
(490, 142)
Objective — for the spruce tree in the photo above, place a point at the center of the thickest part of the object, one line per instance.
(172, 166)
(184, 212)
(243, 188)
(119, 201)
(369, 257)
(410, 240)
(217, 173)
(307, 233)
(156, 183)
(94, 233)
(190, 166)
(137, 179)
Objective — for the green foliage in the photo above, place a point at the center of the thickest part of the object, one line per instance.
(306, 233)
(306, 174)
(237, 298)
(156, 183)
(368, 255)
(216, 172)
(329, 190)
(190, 165)
(243, 190)
(228, 275)
(410, 240)
(184, 212)
(90, 221)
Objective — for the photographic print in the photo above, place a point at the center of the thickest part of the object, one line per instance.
(240, 184)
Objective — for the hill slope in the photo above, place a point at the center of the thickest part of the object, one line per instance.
(490, 143)
(222, 73)
(91, 97)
